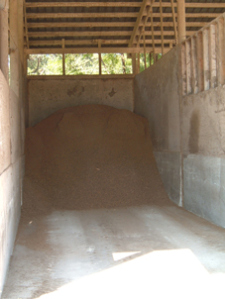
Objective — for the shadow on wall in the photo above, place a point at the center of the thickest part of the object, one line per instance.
(194, 133)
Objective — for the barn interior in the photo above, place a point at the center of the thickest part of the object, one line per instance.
(112, 143)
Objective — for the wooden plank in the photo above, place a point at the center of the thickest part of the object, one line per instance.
(188, 66)
(105, 24)
(212, 55)
(112, 33)
(25, 24)
(115, 4)
(206, 74)
(221, 51)
(181, 20)
(194, 63)
(153, 38)
(83, 4)
(174, 21)
(79, 34)
(183, 69)
(4, 48)
(40, 15)
(161, 26)
(82, 15)
(34, 43)
(200, 61)
(78, 77)
(14, 53)
(91, 50)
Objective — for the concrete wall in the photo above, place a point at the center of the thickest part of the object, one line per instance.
(11, 144)
(203, 141)
(157, 97)
(188, 135)
(49, 95)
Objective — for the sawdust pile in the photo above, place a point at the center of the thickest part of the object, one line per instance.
(90, 157)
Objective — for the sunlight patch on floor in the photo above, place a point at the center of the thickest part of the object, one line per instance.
(159, 274)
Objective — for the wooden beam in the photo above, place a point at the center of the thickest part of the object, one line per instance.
(83, 4)
(80, 24)
(139, 20)
(114, 4)
(25, 24)
(153, 39)
(4, 49)
(91, 50)
(95, 15)
(78, 33)
(181, 20)
(99, 59)
(82, 15)
(174, 21)
(161, 25)
(77, 42)
(105, 24)
(14, 52)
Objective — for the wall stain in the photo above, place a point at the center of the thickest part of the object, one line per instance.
(194, 133)
(76, 90)
(112, 92)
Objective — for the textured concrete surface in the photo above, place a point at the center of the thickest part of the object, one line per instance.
(137, 252)
(48, 96)
(10, 195)
(203, 123)
(11, 172)
(169, 166)
(204, 187)
(157, 98)
(4, 124)
(203, 139)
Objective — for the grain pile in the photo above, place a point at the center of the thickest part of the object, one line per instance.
(90, 157)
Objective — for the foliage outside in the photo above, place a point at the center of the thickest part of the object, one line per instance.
(79, 64)
(45, 64)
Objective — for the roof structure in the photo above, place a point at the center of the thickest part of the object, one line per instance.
(113, 25)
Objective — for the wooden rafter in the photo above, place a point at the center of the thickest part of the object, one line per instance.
(114, 15)
(83, 4)
(91, 50)
(25, 24)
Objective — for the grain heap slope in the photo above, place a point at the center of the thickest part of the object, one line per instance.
(89, 157)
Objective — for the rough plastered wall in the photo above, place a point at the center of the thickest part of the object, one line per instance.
(11, 147)
(157, 96)
(45, 96)
(203, 139)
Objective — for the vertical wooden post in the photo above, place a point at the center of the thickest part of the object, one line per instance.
(206, 71)
(200, 61)
(161, 24)
(144, 50)
(153, 37)
(181, 20)
(221, 51)
(4, 41)
(138, 63)
(174, 21)
(99, 59)
(14, 53)
(212, 55)
(63, 60)
(134, 63)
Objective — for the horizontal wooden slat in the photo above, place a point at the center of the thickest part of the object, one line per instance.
(82, 15)
(96, 33)
(112, 15)
(80, 25)
(91, 50)
(118, 4)
(83, 4)
(79, 33)
(103, 24)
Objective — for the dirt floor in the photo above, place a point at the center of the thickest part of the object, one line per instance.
(96, 222)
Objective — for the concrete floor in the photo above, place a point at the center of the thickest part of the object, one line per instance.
(136, 252)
